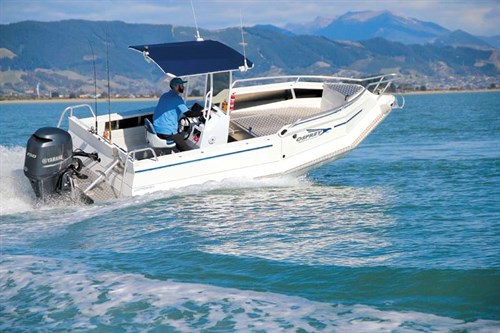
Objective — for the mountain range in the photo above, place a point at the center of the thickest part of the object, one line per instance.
(357, 26)
(60, 57)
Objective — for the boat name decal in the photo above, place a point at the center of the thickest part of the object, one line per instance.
(312, 133)
(52, 159)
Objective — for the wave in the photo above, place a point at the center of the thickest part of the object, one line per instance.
(49, 294)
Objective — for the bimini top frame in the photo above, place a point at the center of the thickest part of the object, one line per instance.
(194, 58)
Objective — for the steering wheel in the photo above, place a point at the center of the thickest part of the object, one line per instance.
(184, 127)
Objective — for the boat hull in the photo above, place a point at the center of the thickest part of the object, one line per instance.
(294, 150)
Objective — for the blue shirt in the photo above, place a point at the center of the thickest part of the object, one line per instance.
(170, 108)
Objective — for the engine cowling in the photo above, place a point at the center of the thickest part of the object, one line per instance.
(49, 154)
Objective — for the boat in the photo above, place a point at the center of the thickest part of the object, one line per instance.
(250, 128)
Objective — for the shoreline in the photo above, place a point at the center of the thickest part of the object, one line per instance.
(77, 100)
(155, 99)
(465, 91)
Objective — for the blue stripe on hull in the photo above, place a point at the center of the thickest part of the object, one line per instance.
(204, 159)
(348, 120)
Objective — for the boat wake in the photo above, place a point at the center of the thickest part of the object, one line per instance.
(90, 299)
(16, 194)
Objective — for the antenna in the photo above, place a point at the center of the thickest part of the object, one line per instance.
(245, 65)
(95, 85)
(198, 36)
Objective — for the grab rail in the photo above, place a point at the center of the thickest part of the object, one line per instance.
(208, 105)
(133, 152)
(71, 108)
(131, 157)
(379, 88)
(383, 78)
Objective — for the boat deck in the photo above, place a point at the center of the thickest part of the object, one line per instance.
(262, 122)
(269, 118)
(101, 192)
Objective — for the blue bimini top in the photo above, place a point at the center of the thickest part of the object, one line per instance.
(193, 58)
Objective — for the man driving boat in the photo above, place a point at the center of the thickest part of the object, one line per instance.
(171, 107)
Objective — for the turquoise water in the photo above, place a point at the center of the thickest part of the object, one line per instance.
(403, 235)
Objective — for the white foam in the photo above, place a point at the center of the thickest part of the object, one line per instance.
(16, 194)
(48, 287)
(240, 183)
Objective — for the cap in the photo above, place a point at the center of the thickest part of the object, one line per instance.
(176, 81)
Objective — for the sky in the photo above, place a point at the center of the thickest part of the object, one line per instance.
(478, 17)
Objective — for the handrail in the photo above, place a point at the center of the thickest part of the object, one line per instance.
(131, 157)
(71, 108)
(132, 153)
(207, 108)
(310, 78)
(380, 82)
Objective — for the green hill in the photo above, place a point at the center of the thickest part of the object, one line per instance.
(59, 57)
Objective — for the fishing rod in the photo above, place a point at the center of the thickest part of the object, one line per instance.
(95, 85)
(109, 89)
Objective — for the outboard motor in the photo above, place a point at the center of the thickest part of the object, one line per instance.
(49, 157)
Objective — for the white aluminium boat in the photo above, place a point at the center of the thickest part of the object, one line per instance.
(252, 128)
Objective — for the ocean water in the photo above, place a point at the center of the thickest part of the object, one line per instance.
(402, 235)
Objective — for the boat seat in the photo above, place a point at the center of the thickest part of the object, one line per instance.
(153, 140)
